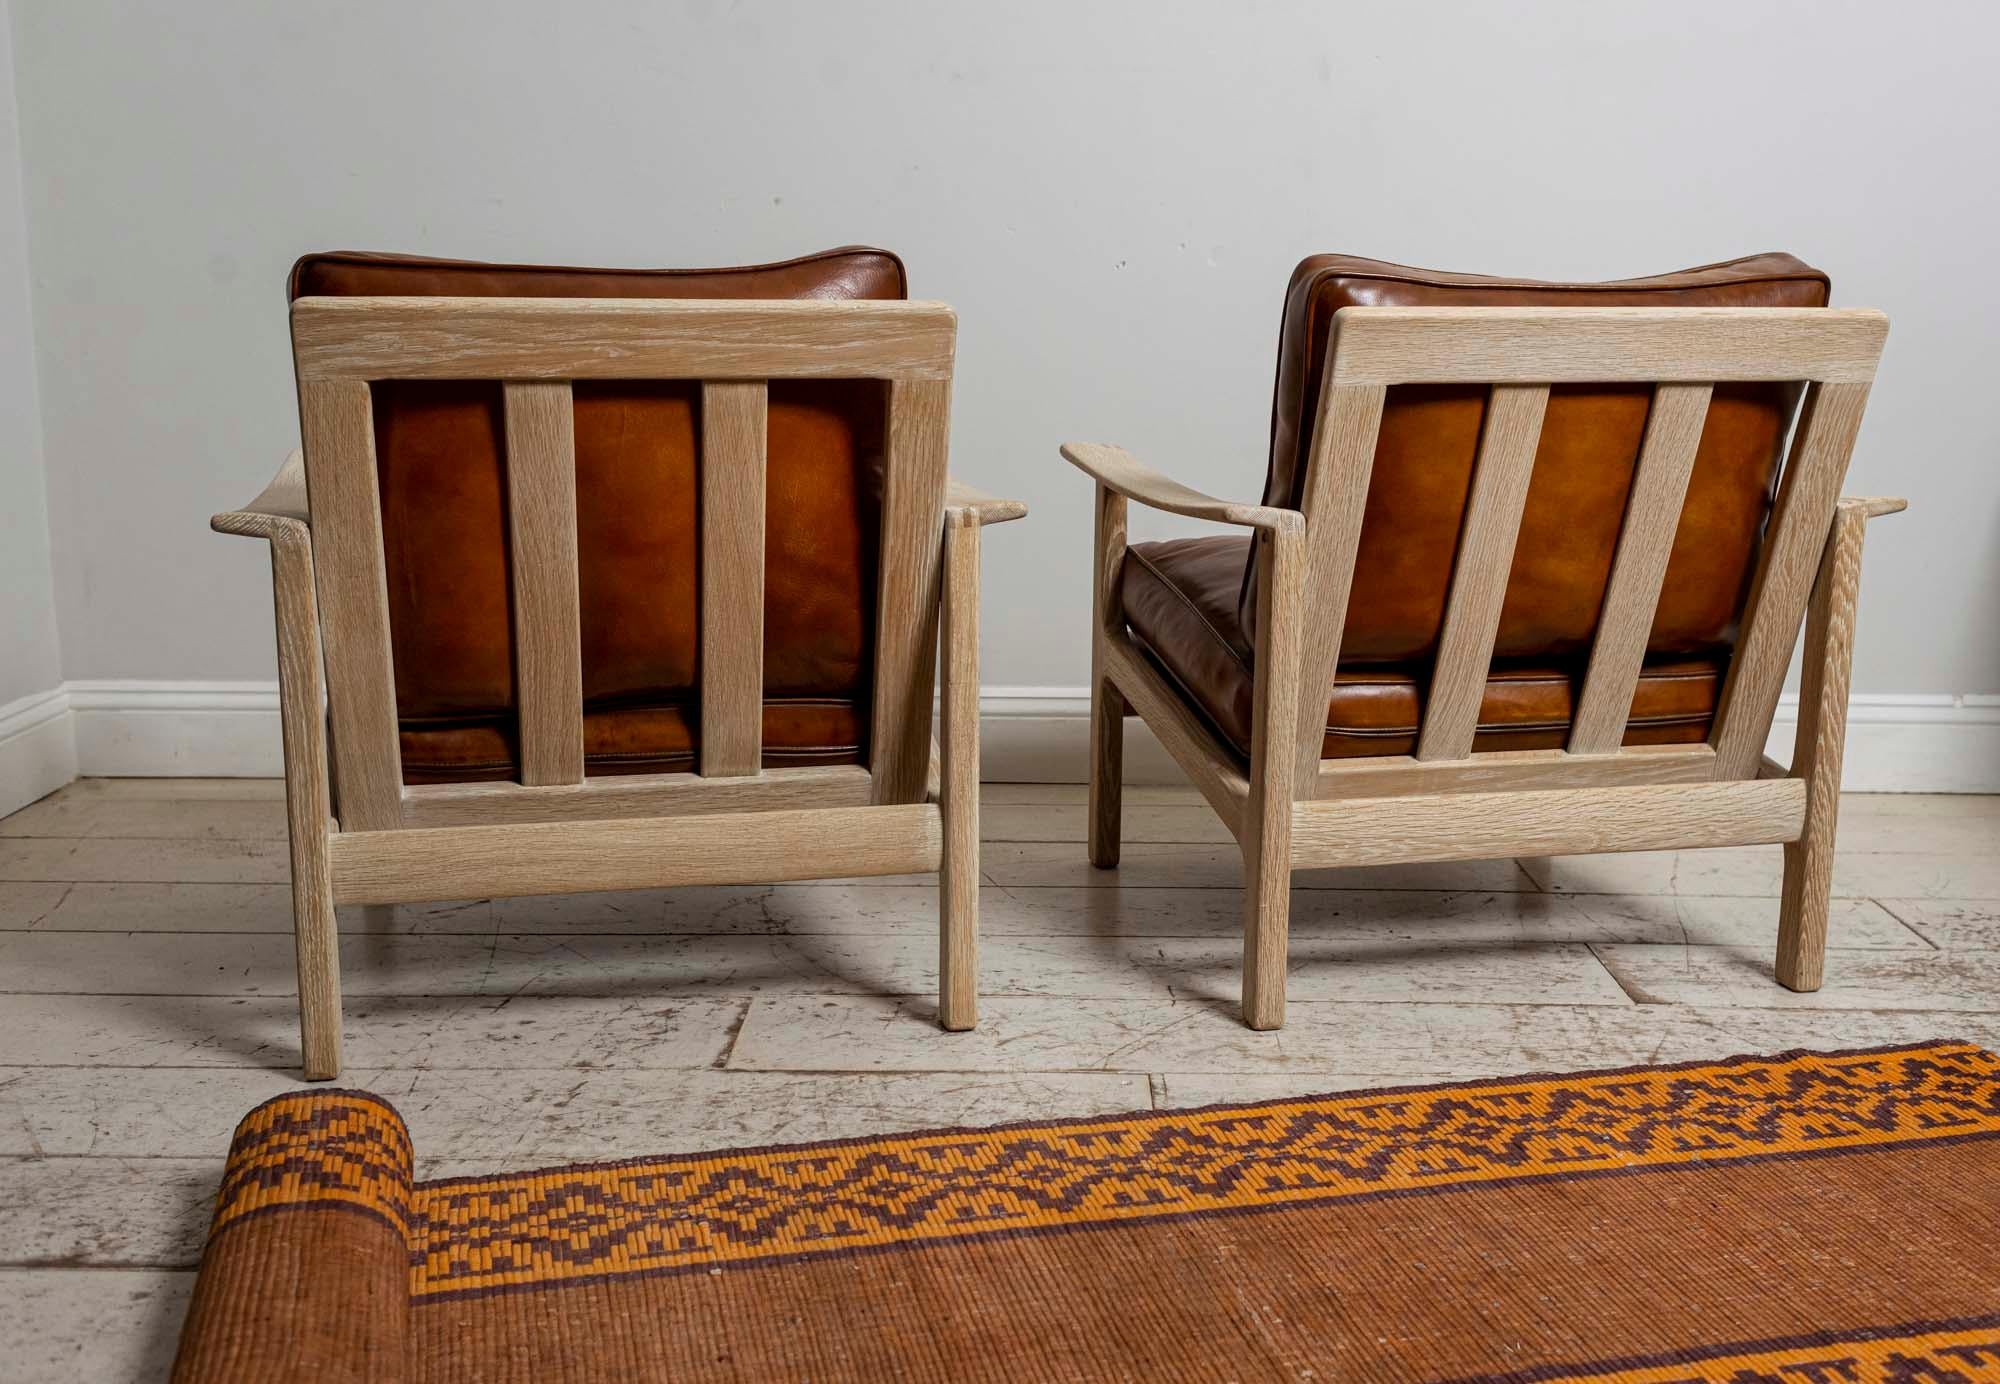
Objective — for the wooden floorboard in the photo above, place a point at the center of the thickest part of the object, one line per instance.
(1410, 1042)
(74, 1324)
(146, 1002)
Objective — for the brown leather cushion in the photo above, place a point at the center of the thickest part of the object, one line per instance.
(633, 740)
(1180, 602)
(440, 457)
(1583, 468)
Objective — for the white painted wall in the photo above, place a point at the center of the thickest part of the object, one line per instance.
(29, 659)
(1111, 194)
(37, 746)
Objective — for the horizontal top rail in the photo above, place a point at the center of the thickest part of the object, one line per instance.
(620, 338)
(1386, 346)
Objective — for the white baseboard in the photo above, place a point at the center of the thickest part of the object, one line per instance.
(1909, 742)
(37, 748)
(135, 729)
(1896, 742)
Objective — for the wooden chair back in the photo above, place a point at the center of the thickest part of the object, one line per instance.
(536, 347)
(1519, 353)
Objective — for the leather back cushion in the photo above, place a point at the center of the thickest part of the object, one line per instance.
(439, 453)
(1583, 468)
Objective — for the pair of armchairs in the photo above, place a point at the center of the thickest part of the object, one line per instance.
(621, 579)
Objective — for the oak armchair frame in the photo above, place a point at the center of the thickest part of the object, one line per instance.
(359, 835)
(1289, 809)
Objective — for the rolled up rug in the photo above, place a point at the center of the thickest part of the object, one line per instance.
(307, 1270)
(1808, 1218)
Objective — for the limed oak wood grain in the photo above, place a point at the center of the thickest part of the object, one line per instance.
(1500, 475)
(1645, 543)
(541, 518)
(732, 577)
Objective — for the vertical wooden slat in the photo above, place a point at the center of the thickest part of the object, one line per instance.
(907, 607)
(1107, 703)
(733, 415)
(1479, 579)
(958, 869)
(1652, 518)
(1336, 496)
(541, 515)
(1266, 837)
(1800, 520)
(338, 428)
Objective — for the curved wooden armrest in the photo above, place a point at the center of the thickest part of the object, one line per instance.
(977, 505)
(1873, 506)
(1117, 469)
(278, 505)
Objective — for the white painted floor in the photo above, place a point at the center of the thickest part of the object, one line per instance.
(146, 1002)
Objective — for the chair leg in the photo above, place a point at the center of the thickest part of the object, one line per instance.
(1107, 772)
(308, 801)
(1802, 909)
(958, 873)
(1107, 703)
(1816, 754)
(1267, 915)
(317, 938)
(1267, 819)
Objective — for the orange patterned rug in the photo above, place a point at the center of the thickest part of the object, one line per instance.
(1800, 1219)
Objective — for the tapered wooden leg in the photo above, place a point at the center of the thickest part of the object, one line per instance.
(308, 803)
(1107, 704)
(318, 943)
(1267, 824)
(1107, 772)
(958, 876)
(1816, 754)
(1267, 921)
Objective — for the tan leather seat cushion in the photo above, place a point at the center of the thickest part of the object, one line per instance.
(439, 449)
(1181, 603)
(632, 740)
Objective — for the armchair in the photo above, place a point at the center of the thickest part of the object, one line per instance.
(595, 579)
(1525, 579)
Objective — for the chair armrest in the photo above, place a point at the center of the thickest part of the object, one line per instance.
(1114, 468)
(982, 508)
(280, 504)
(1873, 506)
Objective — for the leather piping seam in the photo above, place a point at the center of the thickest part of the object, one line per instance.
(1514, 727)
(1505, 680)
(1193, 702)
(637, 756)
(1193, 610)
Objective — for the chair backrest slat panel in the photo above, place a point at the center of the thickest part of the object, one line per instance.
(617, 338)
(1500, 476)
(733, 430)
(907, 610)
(1604, 345)
(541, 519)
(337, 425)
(1801, 519)
(1518, 353)
(1336, 498)
(1645, 543)
(535, 348)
